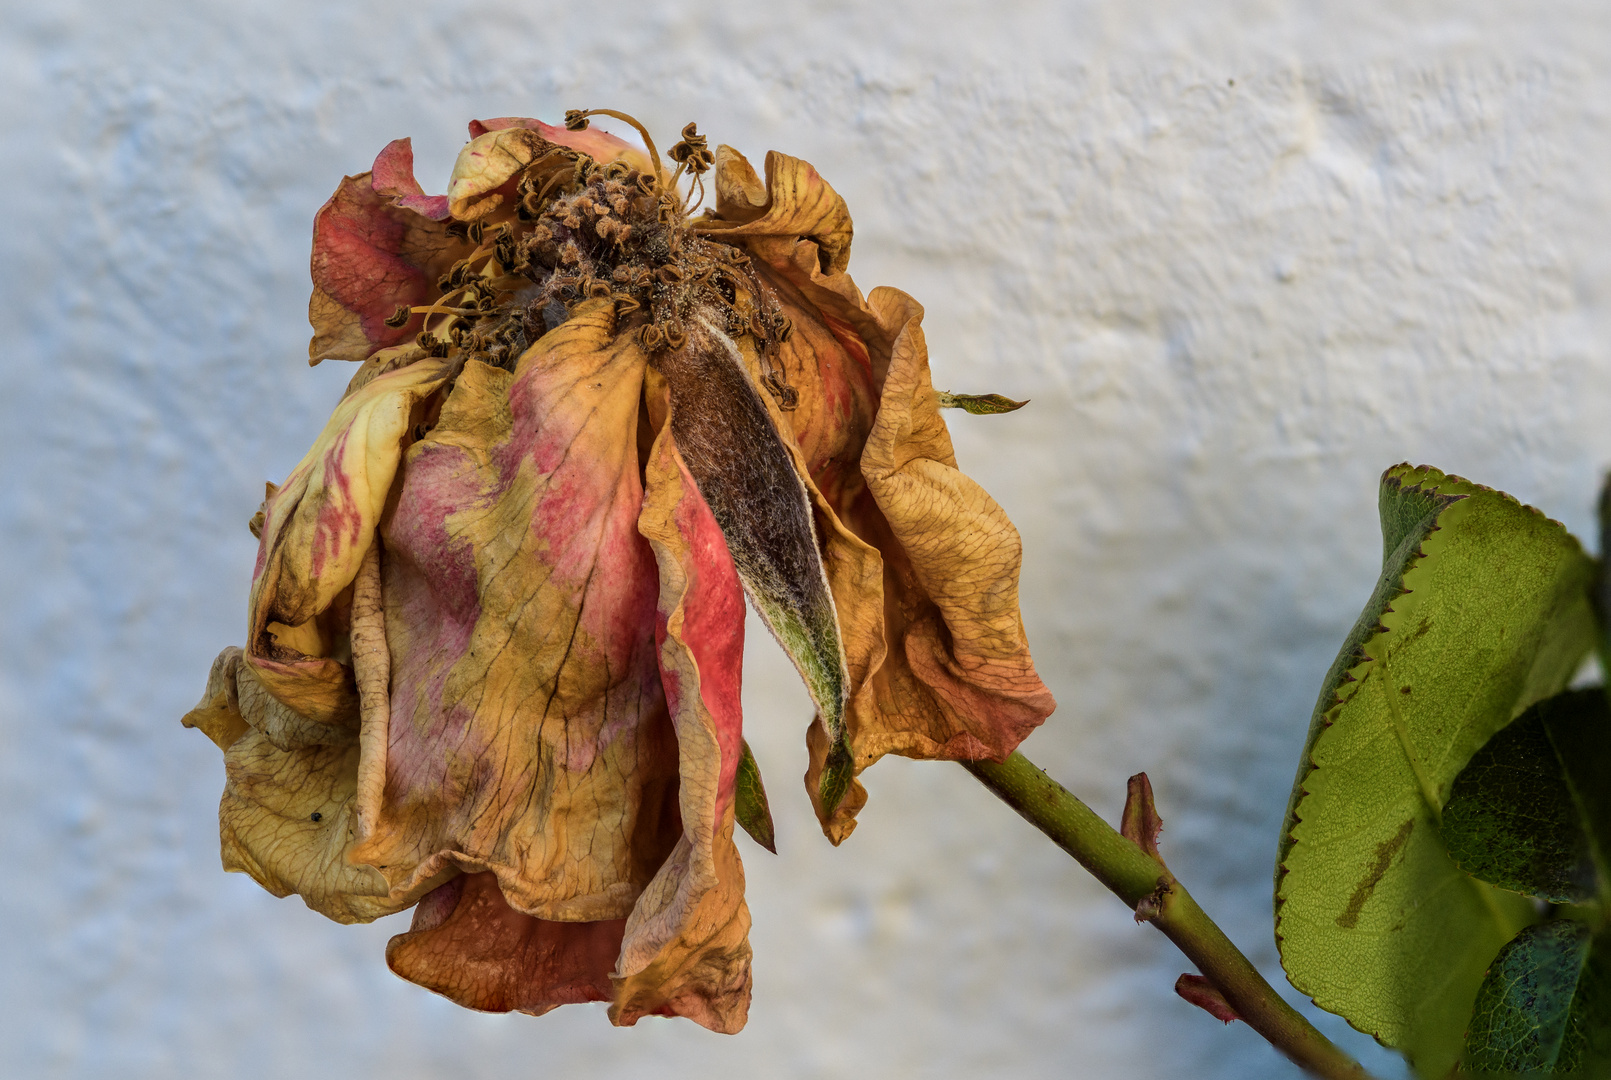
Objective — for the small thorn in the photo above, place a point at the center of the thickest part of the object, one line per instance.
(1149, 908)
(1206, 996)
(1140, 823)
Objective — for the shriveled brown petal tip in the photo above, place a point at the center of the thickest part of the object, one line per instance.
(799, 204)
(951, 675)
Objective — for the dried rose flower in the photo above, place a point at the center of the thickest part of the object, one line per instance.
(496, 623)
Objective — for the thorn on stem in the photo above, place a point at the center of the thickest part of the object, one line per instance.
(1203, 994)
(1140, 823)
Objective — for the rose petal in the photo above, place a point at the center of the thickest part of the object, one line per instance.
(948, 671)
(959, 627)
(467, 944)
(703, 973)
(800, 205)
(393, 177)
(268, 827)
(686, 948)
(494, 157)
(320, 521)
(378, 243)
(599, 145)
(699, 631)
(528, 734)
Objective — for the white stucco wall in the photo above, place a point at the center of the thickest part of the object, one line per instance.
(1241, 255)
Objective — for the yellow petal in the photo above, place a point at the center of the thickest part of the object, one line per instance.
(954, 582)
(218, 714)
(268, 827)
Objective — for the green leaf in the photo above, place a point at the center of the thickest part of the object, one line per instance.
(978, 404)
(1513, 819)
(1481, 610)
(1545, 1007)
(1602, 580)
(750, 807)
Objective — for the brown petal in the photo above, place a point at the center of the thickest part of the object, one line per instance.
(950, 674)
(799, 204)
(528, 735)
(968, 687)
(377, 244)
(704, 972)
(467, 944)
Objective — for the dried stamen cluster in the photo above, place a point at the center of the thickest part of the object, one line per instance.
(578, 231)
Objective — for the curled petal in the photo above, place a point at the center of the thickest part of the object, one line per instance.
(959, 681)
(799, 205)
(601, 146)
(379, 242)
(322, 519)
(829, 365)
(703, 972)
(393, 178)
(286, 814)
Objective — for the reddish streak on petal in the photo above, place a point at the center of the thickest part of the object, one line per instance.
(431, 577)
(847, 337)
(356, 261)
(339, 521)
(713, 630)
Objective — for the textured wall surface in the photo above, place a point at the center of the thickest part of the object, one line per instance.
(1241, 255)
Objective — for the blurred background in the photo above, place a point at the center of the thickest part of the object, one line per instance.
(1242, 256)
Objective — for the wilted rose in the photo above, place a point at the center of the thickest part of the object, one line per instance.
(492, 663)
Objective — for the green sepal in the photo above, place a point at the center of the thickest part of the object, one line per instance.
(1544, 1009)
(838, 770)
(1527, 812)
(978, 404)
(750, 807)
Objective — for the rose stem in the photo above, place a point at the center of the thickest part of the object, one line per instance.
(1136, 877)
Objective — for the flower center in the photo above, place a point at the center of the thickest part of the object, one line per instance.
(576, 231)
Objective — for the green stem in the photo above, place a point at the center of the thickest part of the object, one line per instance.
(1134, 876)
